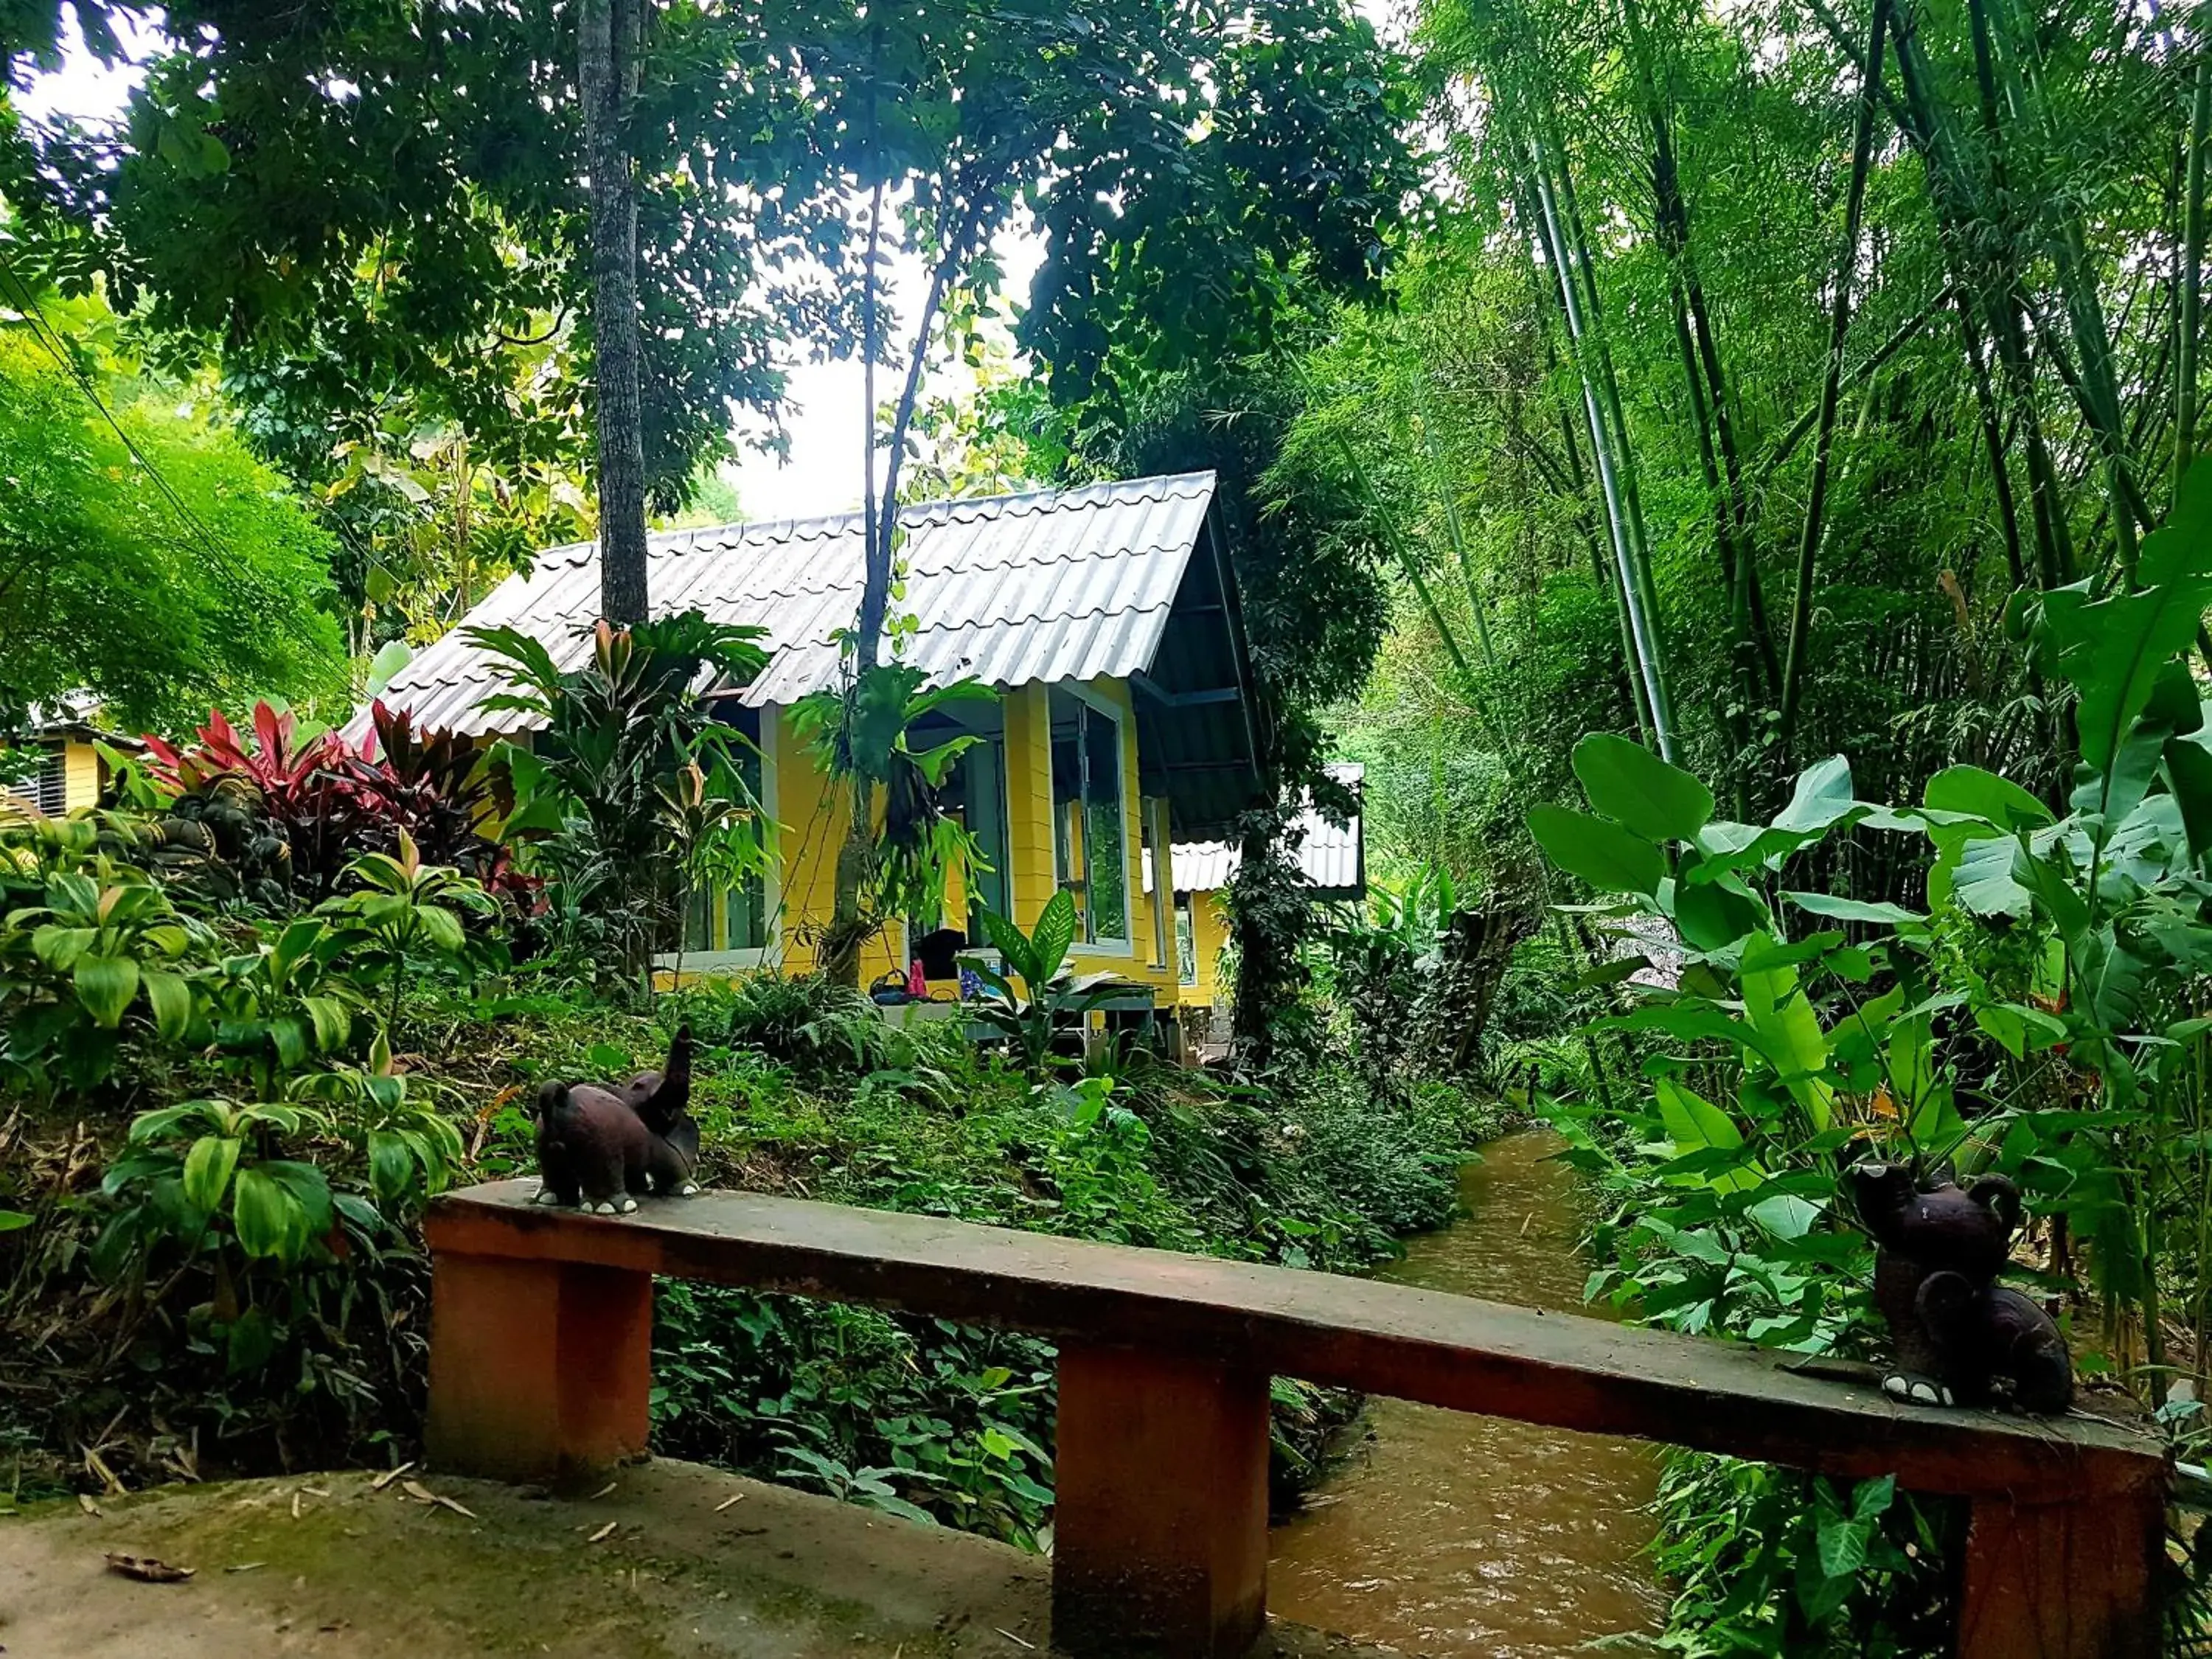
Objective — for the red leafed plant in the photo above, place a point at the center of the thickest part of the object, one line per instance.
(333, 800)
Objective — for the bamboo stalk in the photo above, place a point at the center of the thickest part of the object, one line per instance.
(1753, 645)
(2190, 261)
(1839, 322)
(1643, 645)
(1577, 248)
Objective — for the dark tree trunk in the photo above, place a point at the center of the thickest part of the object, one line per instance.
(607, 75)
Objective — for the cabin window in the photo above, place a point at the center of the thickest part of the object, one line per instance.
(46, 789)
(1089, 845)
(1186, 926)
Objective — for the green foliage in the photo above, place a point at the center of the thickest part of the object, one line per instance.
(103, 958)
(874, 733)
(1050, 999)
(620, 735)
(152, 564)
(403, 914)
(2039, 1022)
(809, 1023)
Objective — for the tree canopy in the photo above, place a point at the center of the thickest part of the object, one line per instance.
(149, 560)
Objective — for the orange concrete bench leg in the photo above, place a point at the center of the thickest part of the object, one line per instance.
(1160, 1518)
(539, 1370)
(2062, 1581)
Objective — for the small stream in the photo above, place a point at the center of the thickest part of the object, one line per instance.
(1451, 1536)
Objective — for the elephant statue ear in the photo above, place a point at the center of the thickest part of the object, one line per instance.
(1942, 1298)
(1997, 1194)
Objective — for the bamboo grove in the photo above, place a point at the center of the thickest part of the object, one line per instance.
(1757, 371)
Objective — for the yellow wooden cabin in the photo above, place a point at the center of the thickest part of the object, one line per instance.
(1105, 617)
(67, 771)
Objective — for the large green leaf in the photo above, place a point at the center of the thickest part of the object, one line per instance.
(1712, 916)
(1051, 938)
(268, 1218)
(1628, 783)
(1970, 789)
(2114, 649)
(1822, 795)
(390, 1167)
(1782, 1013)
(170, 996)
(1013, 946)
(1845, 909)
(1607, 855)
(208, 1168)
(333, 1023)
(106, 985)
(59, 946)
(1982, 877)
(2189, 773)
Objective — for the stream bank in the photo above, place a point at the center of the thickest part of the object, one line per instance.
(1454, 1536)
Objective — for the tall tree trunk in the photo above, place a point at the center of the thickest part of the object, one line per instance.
(1839, 323)
(879, 530)
(1576, 248)
(608, 39)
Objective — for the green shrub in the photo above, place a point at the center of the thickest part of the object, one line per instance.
(807, 1021)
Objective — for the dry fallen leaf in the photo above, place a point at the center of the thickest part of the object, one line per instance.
(454, 1504)
(418, 1492)
(314, 1491)
(147, 1570)
(726, 1502)
(604, 1533)
(389, 1476)
(606, 1491)
(296, 1506)
(87, 1504)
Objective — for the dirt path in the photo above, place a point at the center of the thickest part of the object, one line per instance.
(699, 1565)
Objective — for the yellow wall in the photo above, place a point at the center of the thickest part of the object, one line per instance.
(811, 815)
(80, 775)
(80, 778)
(811, 826)
(1209, 932)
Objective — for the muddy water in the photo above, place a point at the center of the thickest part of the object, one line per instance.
(1453, 1536)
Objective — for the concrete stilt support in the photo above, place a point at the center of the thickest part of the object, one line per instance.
(2068, 1580)
(539, 1370)
(1160, 1524)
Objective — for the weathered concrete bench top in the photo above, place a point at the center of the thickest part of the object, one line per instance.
(1457, 1351)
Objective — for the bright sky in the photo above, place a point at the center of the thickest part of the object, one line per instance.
(825, 409)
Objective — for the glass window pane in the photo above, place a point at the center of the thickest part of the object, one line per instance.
(1105, 844)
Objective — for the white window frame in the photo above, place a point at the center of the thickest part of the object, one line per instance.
(1126, 946)
(769, 952)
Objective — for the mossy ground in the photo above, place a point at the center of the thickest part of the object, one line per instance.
(700, 1564)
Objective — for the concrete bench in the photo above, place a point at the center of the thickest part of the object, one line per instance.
(541, 1369)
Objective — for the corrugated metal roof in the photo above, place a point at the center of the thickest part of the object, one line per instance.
(1329, 854)
(1052, 584)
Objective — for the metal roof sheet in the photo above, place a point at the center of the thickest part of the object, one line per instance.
(1329, 854)
(1051, 584)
